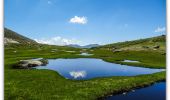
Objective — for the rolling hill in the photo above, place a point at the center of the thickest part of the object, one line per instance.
(157, 43)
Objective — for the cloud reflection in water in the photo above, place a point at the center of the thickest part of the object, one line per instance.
(78, 74)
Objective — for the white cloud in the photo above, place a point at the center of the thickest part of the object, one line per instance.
(57, 41)
(78, 20)
(160, 29)
(78, 74)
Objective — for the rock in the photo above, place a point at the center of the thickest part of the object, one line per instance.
(124, 93)
(9, 40)
(44, 62)
(26, 64)
(114, 49)
(156, 47)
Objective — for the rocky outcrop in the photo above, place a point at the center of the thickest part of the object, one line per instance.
(8, 40)
(26, 64)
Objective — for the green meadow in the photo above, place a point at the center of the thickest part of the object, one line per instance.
(34, 84)
(24, 84)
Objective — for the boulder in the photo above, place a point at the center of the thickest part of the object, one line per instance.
(26, 64)
(44, 62)
(156, 47)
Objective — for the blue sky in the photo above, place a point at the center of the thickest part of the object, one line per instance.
(84, 22)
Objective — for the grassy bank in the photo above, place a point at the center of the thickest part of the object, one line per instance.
(150, 59)
(45, 84)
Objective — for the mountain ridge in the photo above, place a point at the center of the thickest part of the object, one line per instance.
(85, 46)
(14, 37)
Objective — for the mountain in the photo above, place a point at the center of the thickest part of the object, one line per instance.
(86, 46)
(74, 45)
(11, 37)
(91, 45)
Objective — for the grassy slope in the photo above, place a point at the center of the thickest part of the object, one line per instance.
(158, 40)
(45, 84)
(134, 50)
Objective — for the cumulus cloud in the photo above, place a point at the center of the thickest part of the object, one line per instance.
(78, 74)
(160, 29)
(78, 20)
(57, 41)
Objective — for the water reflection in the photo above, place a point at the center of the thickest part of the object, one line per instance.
(78, 74)
(87, 68)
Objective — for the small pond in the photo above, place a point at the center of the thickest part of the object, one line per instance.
(87, 68)
(154, 92)
(133, 61)
(85, 54)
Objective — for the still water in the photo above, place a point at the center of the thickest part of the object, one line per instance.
(131, 61)
(87, 68)
(85, 54)
(154, 92)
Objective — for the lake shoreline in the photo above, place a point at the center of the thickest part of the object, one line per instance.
(104, 59)
(88, 89)
(84, 71)
(129, 90)
(156, 77)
